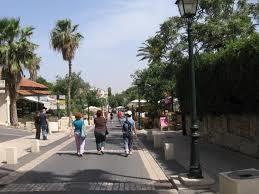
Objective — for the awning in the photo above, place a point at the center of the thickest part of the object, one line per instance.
(31, 84)
(33, 92)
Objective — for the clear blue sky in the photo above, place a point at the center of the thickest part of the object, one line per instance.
(113, 31)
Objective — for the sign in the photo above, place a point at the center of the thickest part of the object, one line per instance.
(2, 91)
(2, 83)
(62, 97)
(163, 122)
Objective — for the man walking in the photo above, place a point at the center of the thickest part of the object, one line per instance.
(128, 128)
(44, 123)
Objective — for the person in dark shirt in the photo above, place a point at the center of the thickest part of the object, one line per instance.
(43, 123)
(37, 124)
(100, 132)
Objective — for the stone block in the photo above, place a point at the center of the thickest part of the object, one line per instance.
(2, 155)
(63, 124)
(169, 151)
(53, 126)
(11, 155)
(239, 182)
(149, 136)
(158, 140)
(35, 146)
(29, 125)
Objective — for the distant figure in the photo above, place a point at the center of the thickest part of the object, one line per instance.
(111, 117)
(44, 123)
(119, 115)
(37, 124)
(100, 132)
(128, 128)
(80, 134)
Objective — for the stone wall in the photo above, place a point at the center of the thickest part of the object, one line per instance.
(237, 132)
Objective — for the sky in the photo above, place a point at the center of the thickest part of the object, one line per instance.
(113, 31)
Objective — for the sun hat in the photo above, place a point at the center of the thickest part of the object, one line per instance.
(128, 112)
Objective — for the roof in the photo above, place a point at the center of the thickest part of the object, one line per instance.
(32, 92)
(26, 83)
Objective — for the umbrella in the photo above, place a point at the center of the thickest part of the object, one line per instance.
(134, 103)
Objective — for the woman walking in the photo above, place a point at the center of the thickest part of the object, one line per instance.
(100, 132)
(79, 133)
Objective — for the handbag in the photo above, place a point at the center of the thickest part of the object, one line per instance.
(83, 131)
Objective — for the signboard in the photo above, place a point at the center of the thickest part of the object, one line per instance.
(163, 122)
(62, 97)
(2, 84)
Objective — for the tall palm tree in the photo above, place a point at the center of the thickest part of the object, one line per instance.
(33, 65)
(15, 50)
(66, 39)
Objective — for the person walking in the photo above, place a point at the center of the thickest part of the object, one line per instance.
(37, 124)
(111, 117)
(128, 128)
(44, 123)
(79, 133)
(100, 132)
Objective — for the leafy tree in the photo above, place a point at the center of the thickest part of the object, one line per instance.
(65, 39)
(15, 49)
(78, 89)
(43, 81)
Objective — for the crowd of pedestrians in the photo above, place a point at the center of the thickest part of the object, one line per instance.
(101, 131)
(78, 130)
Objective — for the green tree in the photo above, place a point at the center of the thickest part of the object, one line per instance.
(79, 88)
(65, 39)
(15, 49)
(43, 81)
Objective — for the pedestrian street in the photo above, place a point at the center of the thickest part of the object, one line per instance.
(64, 172)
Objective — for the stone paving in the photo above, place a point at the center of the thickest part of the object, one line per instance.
(60, 170)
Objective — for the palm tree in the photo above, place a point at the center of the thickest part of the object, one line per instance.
(15, 50)
(152, 50)
(66, 39)
(33, 65)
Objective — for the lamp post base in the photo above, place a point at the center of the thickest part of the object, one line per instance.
(204, 182)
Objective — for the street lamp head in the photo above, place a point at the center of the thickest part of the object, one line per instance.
(187, 8)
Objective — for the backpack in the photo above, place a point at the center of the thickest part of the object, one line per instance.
(127, 128)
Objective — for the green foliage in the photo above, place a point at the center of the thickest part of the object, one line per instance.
(65, 38)
(16, 49)
(78, 88)
(43, 81)
(218, 25)
(226, 80)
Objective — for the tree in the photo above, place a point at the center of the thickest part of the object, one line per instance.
(43, 81)
(79, 88)
(33, 65)
(15, 49)
(65, 39)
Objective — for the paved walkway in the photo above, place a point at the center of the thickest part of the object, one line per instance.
(60, 170)
(7, 134)
(23, 144)
(214, 159)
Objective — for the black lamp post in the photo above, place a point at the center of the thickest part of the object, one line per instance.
(138, 82)
(188, 9)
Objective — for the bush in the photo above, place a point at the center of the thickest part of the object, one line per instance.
(225, 81)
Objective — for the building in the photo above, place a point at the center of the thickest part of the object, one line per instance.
(26, 88)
